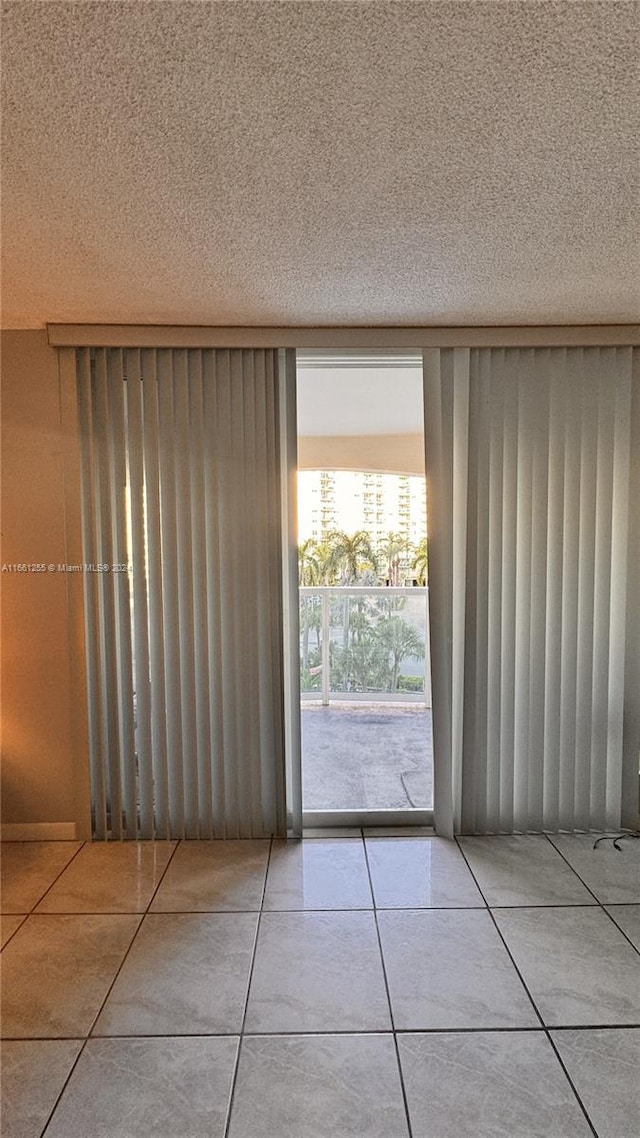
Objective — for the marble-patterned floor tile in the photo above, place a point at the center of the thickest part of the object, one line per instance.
(187, 973)
(416, 873)
(523, 870)
(321, 1086)
(148, 1088)
(332, 832)
(398, 831)
(34, 1072)
(498, 1084)
(577, 965)
(109, 877)
(9, 923)
(449, 969)
(604, 1064)
(28, 869)
(214, 877)
(56, 972)
(627, 917)
(317, 972)
(330, 874)
(613, 875)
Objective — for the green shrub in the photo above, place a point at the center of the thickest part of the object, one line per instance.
(411, 683)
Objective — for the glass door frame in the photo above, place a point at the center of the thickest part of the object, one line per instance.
(300, 819)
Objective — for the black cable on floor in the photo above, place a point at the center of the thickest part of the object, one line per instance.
(615, 838)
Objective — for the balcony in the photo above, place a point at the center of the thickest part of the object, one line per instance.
(366, 699)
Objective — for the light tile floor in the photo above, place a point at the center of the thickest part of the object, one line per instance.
(354, 987)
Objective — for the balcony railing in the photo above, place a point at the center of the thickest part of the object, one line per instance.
(365, 643)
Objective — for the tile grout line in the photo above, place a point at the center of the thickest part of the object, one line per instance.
(611, 917)
(88, 1036)
(499, 932)
(162, 876)
(26, 916)
(568, 863)
(570, 1081)
(63, 1088)
(313, 909)
(145, 913)
(601, 904)
(533, 1003)
(386, 985)
(537, 1030)
(23, 917)
(32, 910)
(240, 1035)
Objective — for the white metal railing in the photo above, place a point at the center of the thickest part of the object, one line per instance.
(418, 619)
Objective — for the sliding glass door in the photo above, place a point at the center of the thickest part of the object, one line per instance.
(364, 659)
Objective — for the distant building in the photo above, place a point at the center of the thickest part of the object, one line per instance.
(352, 500)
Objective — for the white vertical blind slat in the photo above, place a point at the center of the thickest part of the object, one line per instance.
(202, 808)
(553, 601)
(537, 614)
(106, 608)
(277, 530)
(472, 770)
(600, 723)
(119, 585)
(90, 594)
(170, 594)
(508, 613)
(585, 614)
(570, 562)
(522, 541)
(439, 443)
(135, 454)
(254, 376)
(227, 559)
(288, 433)
(156, 600)
(621, 539)
(631, 644)
(262, 586)
(494, 595)
(235, 540)
(185, 455)
(456, 373)
(482, 590)
(216, 777)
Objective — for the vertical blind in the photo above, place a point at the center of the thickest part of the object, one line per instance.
(182, 520)
(533, 472)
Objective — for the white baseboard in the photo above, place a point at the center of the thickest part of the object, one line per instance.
(38, 832)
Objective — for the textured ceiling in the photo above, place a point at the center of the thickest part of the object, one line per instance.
(320, 163)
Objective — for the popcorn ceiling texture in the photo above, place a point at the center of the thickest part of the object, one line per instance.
(320, 163)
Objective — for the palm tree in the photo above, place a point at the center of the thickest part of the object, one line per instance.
(393, 545)
(308, 563)
(401, 641)
(311, 566)
(351, 553)
(326, 564)
(420, 563)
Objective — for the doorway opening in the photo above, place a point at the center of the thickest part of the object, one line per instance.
(365, 681)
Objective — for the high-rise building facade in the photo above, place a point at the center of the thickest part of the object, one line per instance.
(351, 500)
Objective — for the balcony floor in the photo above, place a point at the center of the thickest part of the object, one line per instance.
(366, 756)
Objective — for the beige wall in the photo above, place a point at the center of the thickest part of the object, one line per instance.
(44, 765)
(384, 454)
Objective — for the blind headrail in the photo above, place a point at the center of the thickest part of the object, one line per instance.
(384, 338)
